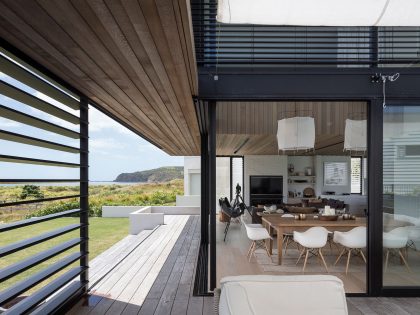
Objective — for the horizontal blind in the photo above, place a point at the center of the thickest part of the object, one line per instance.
(244, 44)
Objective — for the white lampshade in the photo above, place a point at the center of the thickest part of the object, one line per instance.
(297, 133)
(355, 135)
(320, 12)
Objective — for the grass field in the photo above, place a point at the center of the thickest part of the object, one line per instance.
(103, 233)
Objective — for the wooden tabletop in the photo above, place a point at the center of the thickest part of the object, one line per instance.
(277, 221)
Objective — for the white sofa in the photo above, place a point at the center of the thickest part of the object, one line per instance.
(294, 295)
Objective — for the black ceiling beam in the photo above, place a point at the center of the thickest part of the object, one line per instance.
(305, 84)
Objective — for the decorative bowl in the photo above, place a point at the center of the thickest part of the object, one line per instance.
(328, 217)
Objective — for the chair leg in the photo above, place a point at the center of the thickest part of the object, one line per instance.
(226, 230)
(323, 260)
(252, 251)
(266, 248)
(306, 259)
(386, 260)
(300, 256)
(249, 250)
(286, 240)
(348, 261)
(404, 260)
(339, 256)
(363, 255)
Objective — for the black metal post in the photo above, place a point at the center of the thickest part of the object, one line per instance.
(231, 177)
(375, 224)
(204, 191)
(212, 190)
(84, 190)
(374, 46)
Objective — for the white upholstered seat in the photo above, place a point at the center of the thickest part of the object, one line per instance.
(395, 241)
(312, 241)
(353, 240)
(272, 295)
(258, 235)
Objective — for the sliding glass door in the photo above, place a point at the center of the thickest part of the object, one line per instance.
(401, 196)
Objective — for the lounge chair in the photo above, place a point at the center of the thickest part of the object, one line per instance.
(270, 295)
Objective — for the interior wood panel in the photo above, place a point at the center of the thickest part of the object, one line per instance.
(250, 128)
(135, 59)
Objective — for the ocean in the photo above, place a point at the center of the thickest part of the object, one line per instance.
(91, 183)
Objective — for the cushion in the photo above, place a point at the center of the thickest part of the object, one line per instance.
(315, 200)
(269, 295)
(305, 210)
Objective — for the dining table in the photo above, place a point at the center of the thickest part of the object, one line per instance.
(276, 224)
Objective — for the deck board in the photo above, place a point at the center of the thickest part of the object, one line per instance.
(158, 274)
(155, 278)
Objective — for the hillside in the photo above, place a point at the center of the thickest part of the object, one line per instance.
(157, 175)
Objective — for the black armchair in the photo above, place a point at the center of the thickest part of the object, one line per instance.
(234, 211)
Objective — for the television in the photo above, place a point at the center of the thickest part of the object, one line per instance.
(266, 185)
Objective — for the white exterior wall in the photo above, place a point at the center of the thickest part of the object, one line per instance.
(265, 165)
(188, 201)
(118, 211)
(192, 165)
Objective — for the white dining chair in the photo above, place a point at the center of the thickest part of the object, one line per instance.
(352, 241)
(258, 235)
(395, 241)
(312, 241)
(288, 237)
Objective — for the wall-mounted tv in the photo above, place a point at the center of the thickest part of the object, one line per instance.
(266, 185)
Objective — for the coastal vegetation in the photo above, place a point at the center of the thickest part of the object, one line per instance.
(141, 194)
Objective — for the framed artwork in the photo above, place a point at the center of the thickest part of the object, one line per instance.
(335, 173)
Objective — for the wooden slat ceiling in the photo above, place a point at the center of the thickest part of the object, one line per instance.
(135, 59)
(250, 128)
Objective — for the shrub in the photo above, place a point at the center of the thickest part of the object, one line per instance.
(31, 191)
(54, 208)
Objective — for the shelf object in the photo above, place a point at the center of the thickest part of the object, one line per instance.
(303, 179)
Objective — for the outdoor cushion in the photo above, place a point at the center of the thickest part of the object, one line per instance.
(269, 295)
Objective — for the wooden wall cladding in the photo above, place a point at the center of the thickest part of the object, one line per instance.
(135, 59)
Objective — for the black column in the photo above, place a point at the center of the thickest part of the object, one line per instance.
(212, 190)
(84, 190)
(375, 171)
(204, 191)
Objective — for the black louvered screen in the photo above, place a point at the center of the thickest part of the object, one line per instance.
(240, 45)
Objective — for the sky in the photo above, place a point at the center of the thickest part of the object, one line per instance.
(113, 149)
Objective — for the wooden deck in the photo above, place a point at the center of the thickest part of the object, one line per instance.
(156, 274)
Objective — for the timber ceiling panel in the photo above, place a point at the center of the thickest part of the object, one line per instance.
(135, 59)
(250, 127)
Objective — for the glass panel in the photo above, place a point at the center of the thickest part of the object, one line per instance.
(222, 178)
(401, 195)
